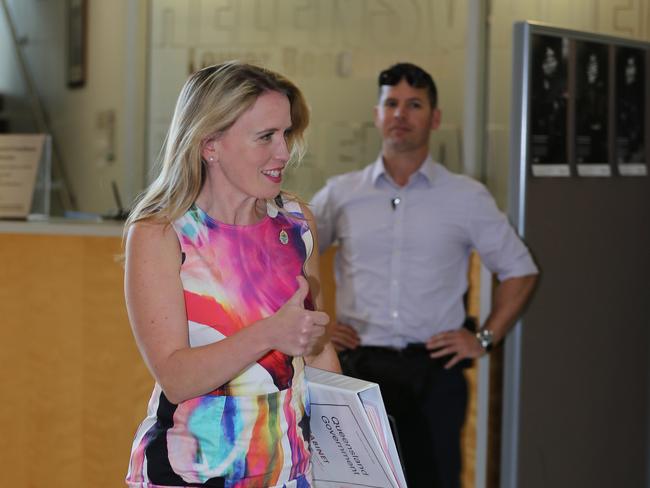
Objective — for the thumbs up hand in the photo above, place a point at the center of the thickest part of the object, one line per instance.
(298, 298)
(295, 331)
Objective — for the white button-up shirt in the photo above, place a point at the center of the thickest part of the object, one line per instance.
(402, 264)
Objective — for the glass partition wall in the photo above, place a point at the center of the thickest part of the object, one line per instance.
(332, 49)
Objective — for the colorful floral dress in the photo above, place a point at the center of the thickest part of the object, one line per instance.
(254, 430)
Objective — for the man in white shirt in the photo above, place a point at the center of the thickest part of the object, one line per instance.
(406, 227)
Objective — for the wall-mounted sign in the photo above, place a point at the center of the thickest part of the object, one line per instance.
(77, 50)
(548, 106)
(592, 109)
(20, 157)
(630, 104)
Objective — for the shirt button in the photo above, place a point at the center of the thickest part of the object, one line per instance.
(394, 283)
(395, 314)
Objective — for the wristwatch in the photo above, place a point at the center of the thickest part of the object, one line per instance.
(485, 338)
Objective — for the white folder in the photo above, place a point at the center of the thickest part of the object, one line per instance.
(351, 442)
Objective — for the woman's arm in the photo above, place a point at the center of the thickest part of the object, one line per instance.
(324, 356)
(156, 308)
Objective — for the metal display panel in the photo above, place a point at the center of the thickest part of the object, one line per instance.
(577, 382)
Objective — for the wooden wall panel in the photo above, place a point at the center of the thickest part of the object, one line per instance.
(468, 440)
(74, 385)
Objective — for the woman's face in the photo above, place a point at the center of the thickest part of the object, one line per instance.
(249, 157)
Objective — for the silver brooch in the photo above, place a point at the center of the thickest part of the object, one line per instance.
(284, 237)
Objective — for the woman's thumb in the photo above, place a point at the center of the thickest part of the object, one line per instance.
(298, 298)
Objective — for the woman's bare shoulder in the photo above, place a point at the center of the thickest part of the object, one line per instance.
(154, 237)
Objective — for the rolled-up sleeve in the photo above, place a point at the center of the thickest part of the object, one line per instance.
(500, 248)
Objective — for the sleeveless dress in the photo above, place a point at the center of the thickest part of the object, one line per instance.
(254, 430)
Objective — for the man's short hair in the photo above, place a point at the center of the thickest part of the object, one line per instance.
(414, 76)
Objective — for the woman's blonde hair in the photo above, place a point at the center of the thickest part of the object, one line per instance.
(210, 102)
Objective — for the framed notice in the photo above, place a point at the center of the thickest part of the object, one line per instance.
(21, 156)
(548, 106)
(592, 109)
(630, 103)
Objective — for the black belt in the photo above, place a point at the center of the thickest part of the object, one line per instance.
(412, 349)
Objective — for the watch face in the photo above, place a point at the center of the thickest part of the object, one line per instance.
(485, 338)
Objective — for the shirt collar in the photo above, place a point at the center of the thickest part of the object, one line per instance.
(427, 172)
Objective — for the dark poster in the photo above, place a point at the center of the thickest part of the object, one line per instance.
(592, 109)
(630, 105)
(548, 106)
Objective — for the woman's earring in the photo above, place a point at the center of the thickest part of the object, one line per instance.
(210, 159)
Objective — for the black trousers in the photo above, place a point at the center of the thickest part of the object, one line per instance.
(428, 403)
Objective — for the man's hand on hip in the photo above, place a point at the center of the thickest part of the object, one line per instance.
(344, 337)
(460, 343)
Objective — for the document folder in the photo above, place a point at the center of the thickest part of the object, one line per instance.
(351, 441)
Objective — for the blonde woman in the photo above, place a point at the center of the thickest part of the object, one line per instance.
(221, 275)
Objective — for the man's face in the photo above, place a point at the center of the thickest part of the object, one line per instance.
(404, 117)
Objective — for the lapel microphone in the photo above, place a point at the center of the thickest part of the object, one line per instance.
(394, 202)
